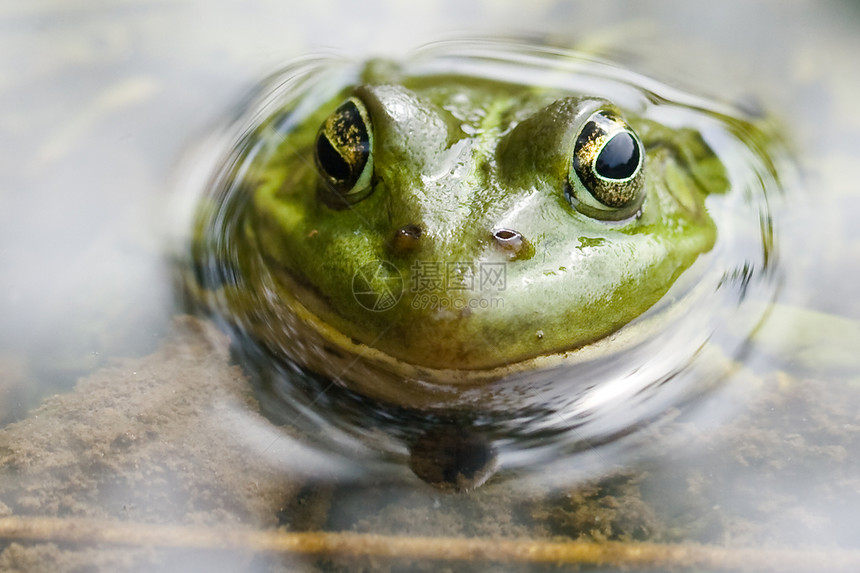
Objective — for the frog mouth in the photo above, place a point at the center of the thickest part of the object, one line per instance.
(371, 371)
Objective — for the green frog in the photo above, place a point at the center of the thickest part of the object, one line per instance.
(414, 236)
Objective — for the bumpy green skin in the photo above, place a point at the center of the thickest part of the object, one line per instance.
(461, 158)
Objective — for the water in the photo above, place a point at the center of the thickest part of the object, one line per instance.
(100, 105)
(677, 351)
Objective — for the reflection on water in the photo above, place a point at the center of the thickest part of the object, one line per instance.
(593, 401)
(162, 462)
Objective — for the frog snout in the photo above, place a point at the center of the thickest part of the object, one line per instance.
(408, 237)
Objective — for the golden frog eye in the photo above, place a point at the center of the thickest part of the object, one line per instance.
(607, 171)
(344, 151)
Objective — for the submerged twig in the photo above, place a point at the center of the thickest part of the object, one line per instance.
(614, 553)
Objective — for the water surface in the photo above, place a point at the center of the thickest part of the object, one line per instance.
(103, 108)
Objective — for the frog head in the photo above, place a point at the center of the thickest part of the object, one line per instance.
(468, 224)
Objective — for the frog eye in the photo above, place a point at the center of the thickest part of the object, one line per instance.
(607, 170)
(344, 151)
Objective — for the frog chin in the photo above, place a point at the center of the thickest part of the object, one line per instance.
(370, 371)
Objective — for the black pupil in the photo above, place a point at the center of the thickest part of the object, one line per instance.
(331, 160)
(619, 158)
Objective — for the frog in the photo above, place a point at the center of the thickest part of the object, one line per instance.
(417, 236)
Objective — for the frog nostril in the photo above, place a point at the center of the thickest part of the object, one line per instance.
(512, 242)
(407, 238)
(508, 240)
